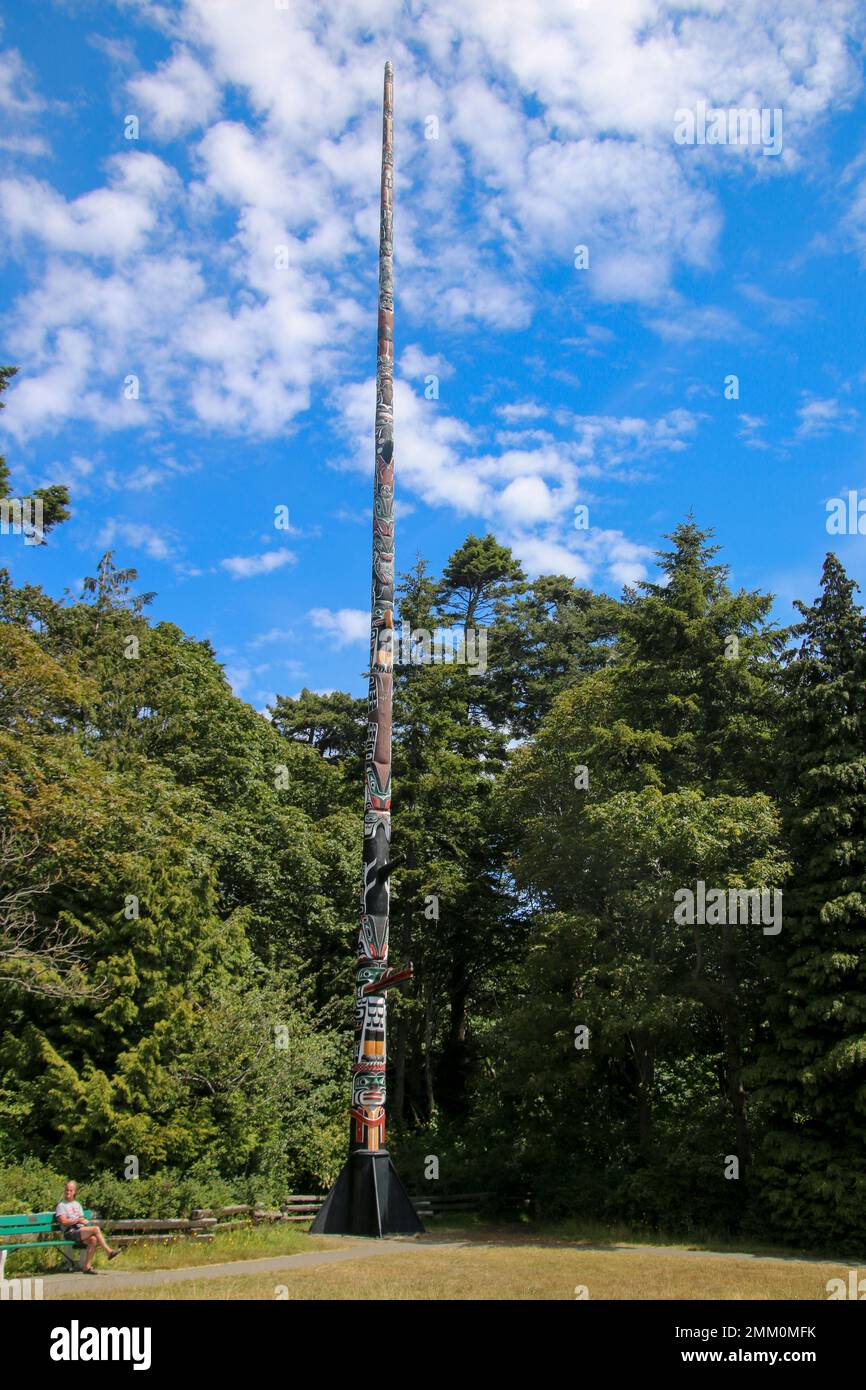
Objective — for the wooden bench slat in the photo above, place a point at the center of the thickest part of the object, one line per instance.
(28, 1222)
(26, 1230)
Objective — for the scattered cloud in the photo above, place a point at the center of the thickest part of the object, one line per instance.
(516, 411)
(73, 473)
(540, 556)
(238, 677)
(113, 221)
(591, 554)
(18, 95)
(181, 95)
(749, 432)
(346, 625)
(280, 635)
(593, 341)
(415, 362)
(683, 323)
(819, 416)
(560, 123)
(776, 309)
(31, 146)
(137, 536)
(359, 517)
(234, 275)
(250, 566)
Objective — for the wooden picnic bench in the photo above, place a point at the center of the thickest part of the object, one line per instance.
(40, 1228)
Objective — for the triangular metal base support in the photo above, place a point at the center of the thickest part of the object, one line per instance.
(368, 1199)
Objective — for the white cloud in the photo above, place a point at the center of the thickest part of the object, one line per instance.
(238, 677)
(248, 367)
(749, 433)
(111, 221)
(820, 416)
(72, 472)
(594, 338)
(607, 442)
(526, 501)
(540, 556)
(456, 289)
(625, 561)
(679, 322)
(429, 445)
(515, 411)
(138, 536)
(283, 636)
(776, 308)
(249, 566)
(437, 458)
(17, 89)
(597, 552)
(31, 146)
(415, 362)
(528, 490)
(59, 391)
(555, 128)
(180, 96)
(359, 517)
(346, 625)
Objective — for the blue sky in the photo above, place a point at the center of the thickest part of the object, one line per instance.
(259, 128)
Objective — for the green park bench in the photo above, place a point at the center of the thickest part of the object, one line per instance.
(40, 1228)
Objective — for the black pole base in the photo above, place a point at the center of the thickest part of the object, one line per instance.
(368, 1199)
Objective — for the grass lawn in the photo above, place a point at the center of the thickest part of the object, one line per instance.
(242, 1243)
(582, 1231)
(252, 1242)
(520, 1270)
(477, 1260)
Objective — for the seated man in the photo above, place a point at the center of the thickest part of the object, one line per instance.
(74, 1223)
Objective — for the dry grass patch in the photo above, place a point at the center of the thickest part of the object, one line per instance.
(523, 1272)
(608, 1235)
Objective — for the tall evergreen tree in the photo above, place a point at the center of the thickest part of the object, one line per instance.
(813, 1066)
(449, 914)
(647, 776)
(162, 849)
(543, 640)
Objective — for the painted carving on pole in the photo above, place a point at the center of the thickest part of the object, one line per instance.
(368, 1197)
(367, 1128)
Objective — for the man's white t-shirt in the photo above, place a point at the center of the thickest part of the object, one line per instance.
(69, 1211)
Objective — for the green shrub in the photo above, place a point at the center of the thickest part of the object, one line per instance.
(30, 1185)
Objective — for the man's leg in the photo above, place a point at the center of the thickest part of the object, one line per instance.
(100, 1238)
(90, 1242)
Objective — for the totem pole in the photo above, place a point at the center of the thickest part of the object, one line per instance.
(368, 1198)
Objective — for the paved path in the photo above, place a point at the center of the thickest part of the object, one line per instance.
(58, 1285)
